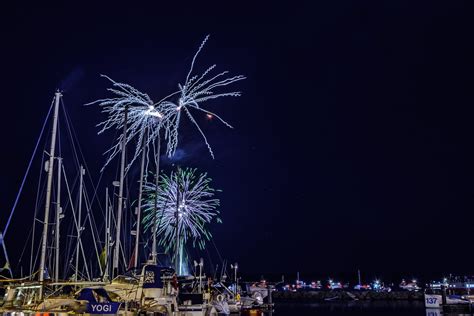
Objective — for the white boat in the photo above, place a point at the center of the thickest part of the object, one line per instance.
(409, 286)
(455, 293)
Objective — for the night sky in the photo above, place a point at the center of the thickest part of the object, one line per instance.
(353, 140)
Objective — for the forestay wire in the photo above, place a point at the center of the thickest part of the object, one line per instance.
(27, 171)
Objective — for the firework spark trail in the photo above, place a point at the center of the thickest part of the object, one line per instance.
(141, 115)
(197, 208)
(195, 90)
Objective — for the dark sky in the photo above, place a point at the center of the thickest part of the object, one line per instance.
(352, 145)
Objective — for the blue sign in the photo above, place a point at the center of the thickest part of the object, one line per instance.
(103, 308)
(99, 301)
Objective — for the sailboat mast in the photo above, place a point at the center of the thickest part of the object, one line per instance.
(58, 219)
(120, 196)
(154, 252)
(139, 207)
(111, 220)
(177, 254)
(107, 237)
(79, 222)
(48, 193)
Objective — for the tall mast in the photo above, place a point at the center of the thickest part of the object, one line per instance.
(58, 219)
(48, 192)
(110, 240)
(79, 222)
(107, 235)
(177, 254)
(120, 197)
(139, 207)
(155, 219)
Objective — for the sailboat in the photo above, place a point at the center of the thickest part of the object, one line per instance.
(41, 292)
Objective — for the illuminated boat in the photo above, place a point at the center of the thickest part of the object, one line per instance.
(449, 294)
(379, 286)
(334, 285)
(362, 287)
(409, 286)
(316, 285)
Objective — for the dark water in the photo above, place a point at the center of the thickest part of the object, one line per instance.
(353, 309)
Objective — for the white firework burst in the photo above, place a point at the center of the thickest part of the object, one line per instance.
(196, 90)
(145, 119)
(141, 116)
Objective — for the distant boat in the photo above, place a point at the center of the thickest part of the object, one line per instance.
(410, 286)
(334, 285)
